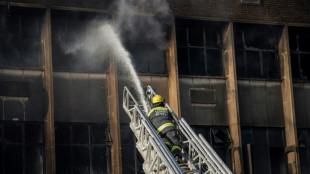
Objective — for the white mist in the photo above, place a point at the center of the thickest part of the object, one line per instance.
(114, 46)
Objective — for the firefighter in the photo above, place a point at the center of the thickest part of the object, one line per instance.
(162, 120)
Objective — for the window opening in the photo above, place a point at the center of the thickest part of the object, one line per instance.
(82, 148)
(199, 47)
(263, 150)
(256, 49)
(221, 135)
(21, 147)
(70, 30)
(300, 52)
(303, 137)
(147, 42)
(20, 35)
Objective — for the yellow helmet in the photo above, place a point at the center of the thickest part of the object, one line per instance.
(157, 99)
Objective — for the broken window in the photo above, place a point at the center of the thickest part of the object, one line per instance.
(300, 52)
(20, 35)
(221, 135)
(303, 138)
(76, 42)
(256, 50)
(263, 150)
(82, 148)
(219, 138)
(199, 47)
(146, 39)
(132, 161)
(21, 147)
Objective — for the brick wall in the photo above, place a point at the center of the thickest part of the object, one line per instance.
(282, 11)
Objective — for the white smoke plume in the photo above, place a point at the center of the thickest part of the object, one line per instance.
(102, 38)
(143, 20)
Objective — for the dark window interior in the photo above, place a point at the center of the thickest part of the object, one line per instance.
(266, 149)
(70, 103)
(202, 96)
(300, 52)
(71, 32)
(256, 49)
(21, 147)
(199, 46)
(131, 159)
(218, 138)
(251, 2)
(146, 42)
(82, 148)
(303, 137)
(20, 35)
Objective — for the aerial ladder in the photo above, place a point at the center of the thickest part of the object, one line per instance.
(199, 156)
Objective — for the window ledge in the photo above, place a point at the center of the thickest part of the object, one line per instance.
(202, 77)
(257, 79)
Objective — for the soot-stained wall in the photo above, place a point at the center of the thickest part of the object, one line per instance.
(80, 97)
(260, 103)
(21, 95)
(212, 112)
(267, 10)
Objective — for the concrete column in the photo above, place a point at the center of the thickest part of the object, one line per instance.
(288, 104)
(114, 118)
(232, 98)
(49, 134)
(173, 81)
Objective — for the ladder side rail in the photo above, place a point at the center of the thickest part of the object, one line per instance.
(210, 152)
(220, 161)
(202, 144)
(207, 147)
(154, 156)
(160, 156)
(194, 144)
(190, 135)
(160, 147)
(142, 136)
(149, 94)
(183, 125)
(158, 141)
(194, 153)
(135, 112)
(198, 149)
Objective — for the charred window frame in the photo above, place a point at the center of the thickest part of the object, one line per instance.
(263, 150)
(300, 52)
(20, 35)
(303, 137)
(199, 47)
(69, 30)
(219, 138)
(132, 161)
(146, 41)
(82, 148)
(256, 51)
(21, 147)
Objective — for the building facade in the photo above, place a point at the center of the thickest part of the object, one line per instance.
(236, 70)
